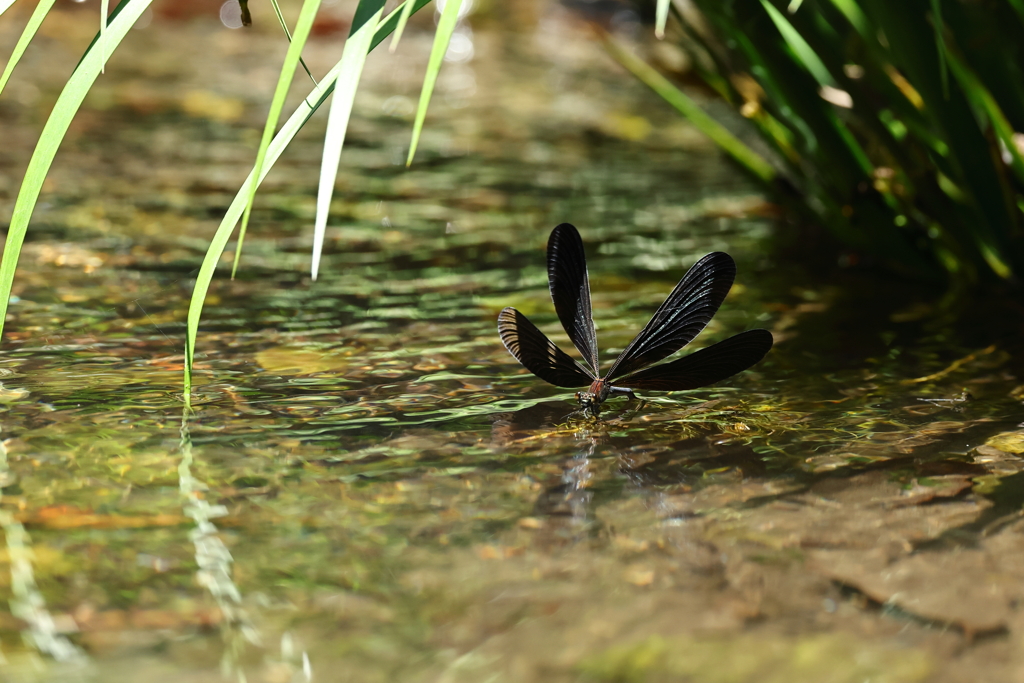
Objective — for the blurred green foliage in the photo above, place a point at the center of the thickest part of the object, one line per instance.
(892, 124)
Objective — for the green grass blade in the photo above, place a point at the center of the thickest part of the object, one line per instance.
(799, 46)
(289, 129)
(729, 143)
(661, 18)
(280, 19)
(56, 127)
(353, 58)
(855, 15)
(989, 43)
(42, 9)
(403, 19)
(284, 81)
(390, 22)
(220, 239)
(284, 27)
(794, 91)
(912, 43)
(104, 12)
(384, 28)
(443, 35)
(981, 98)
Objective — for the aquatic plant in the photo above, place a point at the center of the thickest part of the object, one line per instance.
(893, 125)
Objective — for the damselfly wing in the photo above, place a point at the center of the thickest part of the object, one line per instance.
(686, 311)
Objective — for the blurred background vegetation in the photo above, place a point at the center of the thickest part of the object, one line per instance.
(891, 126)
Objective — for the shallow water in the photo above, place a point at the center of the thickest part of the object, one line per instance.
(371, 489)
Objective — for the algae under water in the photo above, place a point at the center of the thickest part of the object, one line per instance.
(371, 489)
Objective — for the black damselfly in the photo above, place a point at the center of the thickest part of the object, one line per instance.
(686, 312)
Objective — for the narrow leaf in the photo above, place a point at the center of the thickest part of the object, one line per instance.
(855, 15)
(26, 37)
(443, 35)
(289, 129)
(390, 23)
(972, 163)
(367, 11)
(284, 27)
(302, 28)
(981, 98)
(661, 18)
(799, 46)
(53, 133)
(353, 58)
(403, 19)
(4, 4)
(729, 143)
(104, 11)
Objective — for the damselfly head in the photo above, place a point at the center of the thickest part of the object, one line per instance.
(590, 400)
(588, 403)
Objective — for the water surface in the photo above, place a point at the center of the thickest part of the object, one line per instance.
(371, 489)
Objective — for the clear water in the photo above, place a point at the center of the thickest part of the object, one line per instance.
(371, 489)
